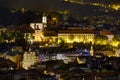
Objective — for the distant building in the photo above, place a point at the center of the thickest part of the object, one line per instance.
(44, 20)
(91, 50)
(29, 59)
(107, 33)
(38, 28)
(38, 34)
(28, 32)
(50, 36)
(76, 35)
(6, 64)
(118, 53)
(2, 29)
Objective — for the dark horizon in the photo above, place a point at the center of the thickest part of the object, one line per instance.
(76, 10)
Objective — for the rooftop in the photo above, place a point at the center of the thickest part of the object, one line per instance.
(77, 31)
(50, 33)
(105, 32)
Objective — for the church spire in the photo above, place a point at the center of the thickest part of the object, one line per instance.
(91, 50)
(44, 20)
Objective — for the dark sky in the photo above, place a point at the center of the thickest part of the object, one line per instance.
(43, 5)
(31, 4)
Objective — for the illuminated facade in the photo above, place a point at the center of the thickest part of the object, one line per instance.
(29, 58)
(38, 34)
(2, 29)
(44, 20)
(39, 28)
(76, 35)
(92, 51)
(50, 36)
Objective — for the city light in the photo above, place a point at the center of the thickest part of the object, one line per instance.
(116, 7)
(66, 0)
(111, 6)
(60, 40)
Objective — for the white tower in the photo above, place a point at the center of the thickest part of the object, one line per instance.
(44, 20)
(91, 50)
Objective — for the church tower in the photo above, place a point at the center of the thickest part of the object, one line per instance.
(44, 20)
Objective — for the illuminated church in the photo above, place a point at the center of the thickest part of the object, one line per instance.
(38, 28)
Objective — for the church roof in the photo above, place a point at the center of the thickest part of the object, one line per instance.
(26, 29)
(50, 33)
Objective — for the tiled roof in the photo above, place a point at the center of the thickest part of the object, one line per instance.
(23, 28)
(12, 28)
(26, 29)
(77, 31)
(105, 32)
(50, 33)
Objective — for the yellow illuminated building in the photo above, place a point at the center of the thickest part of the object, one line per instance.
(107, 33)
(76, 35)
(38, 30)
(50, 36)
(38, 34)
(115, 7)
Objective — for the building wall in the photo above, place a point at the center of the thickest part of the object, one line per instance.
(38, 36)
(50, 38)
(107, 33)
(29, 58)
(110, 37)
(38, 28)
(29, 37)
(70, 38)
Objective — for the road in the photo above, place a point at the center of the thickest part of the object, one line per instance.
(107, 6)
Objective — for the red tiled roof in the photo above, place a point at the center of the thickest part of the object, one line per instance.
(77, 31)
(105, 32)
(50, 33)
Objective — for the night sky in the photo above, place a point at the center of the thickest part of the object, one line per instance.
(31, 4)
(48, 5)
